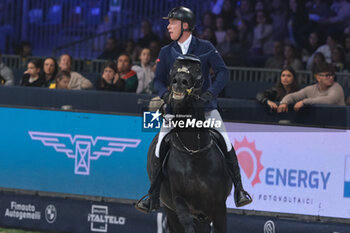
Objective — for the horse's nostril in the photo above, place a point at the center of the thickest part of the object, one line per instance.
(174, 81)
(185, 82)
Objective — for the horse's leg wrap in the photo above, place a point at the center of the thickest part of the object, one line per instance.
(240, 195)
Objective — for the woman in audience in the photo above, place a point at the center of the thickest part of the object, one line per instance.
(145, 72)
(287, 83)
(32, 76)
(318, 59)
(110, 79)
(50, 70)
(338, 59)
(291, 59)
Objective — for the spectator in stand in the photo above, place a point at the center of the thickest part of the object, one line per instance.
(263, 34)
(326, 49)
(110, 79)
(145, 72)
(276, 61)
(318, 9)
(347, 52)
(208, 20)
(25, 50)
(279, 15)
(62, 80)
(230, 49)
(245, 34)
(286, 84)
(50, 70)
(154, 46)
(209, 34)
(227, 12)
(111, 50)
(314, 43)
(291, 59)
(318, 59)
(32, 76)
(244, 11)
(325, 91)
(220, 30)
(147, 34)
(130, 49)
(338, 59)
(298, 23)
(337, 23)
(6, 75)
(126, 73)
(166, 39)
(77, 81)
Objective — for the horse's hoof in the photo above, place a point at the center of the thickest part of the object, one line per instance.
(242, 198)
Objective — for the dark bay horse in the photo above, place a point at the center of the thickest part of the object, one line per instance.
(196, 185)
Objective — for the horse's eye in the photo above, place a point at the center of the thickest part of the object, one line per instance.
(185, 82)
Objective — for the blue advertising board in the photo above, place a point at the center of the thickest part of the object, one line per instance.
(73, 152)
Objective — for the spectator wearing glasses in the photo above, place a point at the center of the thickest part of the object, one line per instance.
(325, 91)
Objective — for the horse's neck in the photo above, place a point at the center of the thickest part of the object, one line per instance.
(194, 139)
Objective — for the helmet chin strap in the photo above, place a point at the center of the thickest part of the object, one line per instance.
(182, 31)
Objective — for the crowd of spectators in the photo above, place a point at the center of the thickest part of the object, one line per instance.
(290, 35)
(264, 32)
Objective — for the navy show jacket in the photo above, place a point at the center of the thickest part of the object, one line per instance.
(208, 56)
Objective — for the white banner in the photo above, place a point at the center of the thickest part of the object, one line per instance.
(294, 169)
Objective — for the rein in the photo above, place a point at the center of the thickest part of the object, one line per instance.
(185, 149)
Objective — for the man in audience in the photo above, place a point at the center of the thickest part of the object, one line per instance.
(124, 68)
(77, 81)
(326, 91)
(111, 50)
(276, 61)
(6, 75)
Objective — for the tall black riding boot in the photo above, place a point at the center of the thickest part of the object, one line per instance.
(152, 201)
(240, 195)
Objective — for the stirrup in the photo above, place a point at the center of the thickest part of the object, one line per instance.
(246, 202)
(139, 205)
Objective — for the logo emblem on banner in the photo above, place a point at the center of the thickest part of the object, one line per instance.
(249, 159)
(50, 213)
(100, 219)
(347, 177)
(269, 227)
(84, 148)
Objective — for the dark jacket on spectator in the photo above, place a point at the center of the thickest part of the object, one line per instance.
(37, 83)
(104, 86)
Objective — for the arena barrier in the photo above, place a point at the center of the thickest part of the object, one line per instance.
(97, 152)
(81, 216)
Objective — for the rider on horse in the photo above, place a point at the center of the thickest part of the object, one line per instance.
(181, 24)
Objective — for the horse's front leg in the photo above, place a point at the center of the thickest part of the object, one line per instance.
(220, 220)
(184, 215)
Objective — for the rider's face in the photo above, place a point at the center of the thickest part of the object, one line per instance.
(174, 28)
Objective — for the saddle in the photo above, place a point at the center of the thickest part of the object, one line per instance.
(218, 141)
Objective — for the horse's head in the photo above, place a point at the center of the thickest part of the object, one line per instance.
(185, 80)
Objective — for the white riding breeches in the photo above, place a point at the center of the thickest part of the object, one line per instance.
(212, 115)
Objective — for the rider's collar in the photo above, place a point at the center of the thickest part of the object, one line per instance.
(185, 45)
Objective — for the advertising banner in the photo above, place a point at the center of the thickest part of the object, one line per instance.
(294, 169)
(73, 152)
(82, 216)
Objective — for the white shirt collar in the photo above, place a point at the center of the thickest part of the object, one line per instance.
(185, 45)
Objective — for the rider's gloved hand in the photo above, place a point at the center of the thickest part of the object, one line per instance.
(206, 97)
(166, 97)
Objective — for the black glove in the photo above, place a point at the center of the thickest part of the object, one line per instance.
(206, 97)
(166, 97)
